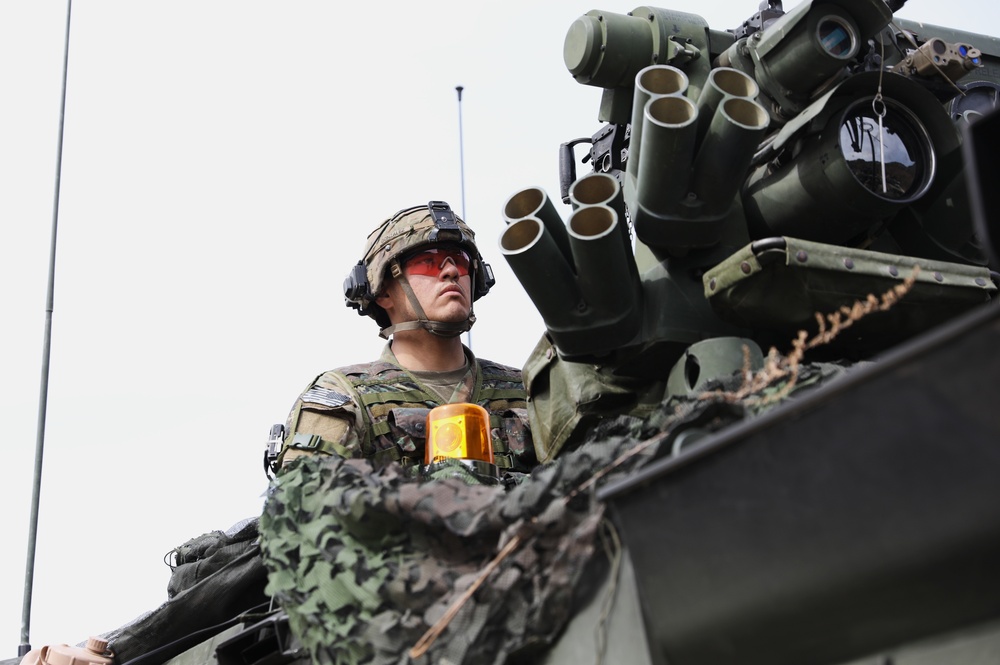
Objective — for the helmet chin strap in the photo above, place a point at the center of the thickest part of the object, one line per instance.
(439, 328)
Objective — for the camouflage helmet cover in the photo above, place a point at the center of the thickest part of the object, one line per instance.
(406, 231)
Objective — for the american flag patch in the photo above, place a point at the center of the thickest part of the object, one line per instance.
(324, 397)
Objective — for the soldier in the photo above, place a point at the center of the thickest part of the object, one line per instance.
(418, 278)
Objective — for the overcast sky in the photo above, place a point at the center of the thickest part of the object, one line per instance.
(223, 163)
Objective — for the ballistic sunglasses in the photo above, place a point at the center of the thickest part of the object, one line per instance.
(430, 262)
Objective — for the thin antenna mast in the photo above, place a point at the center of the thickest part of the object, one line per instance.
(461, 170)
(29, 570)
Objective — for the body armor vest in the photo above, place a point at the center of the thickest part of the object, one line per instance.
(394, 407)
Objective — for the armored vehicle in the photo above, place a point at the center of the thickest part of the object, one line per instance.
(764, 401)
(781, 179)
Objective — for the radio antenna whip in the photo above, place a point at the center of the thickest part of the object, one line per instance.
(29, 569)
(461, 175)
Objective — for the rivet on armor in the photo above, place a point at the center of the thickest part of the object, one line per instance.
(893, 271)
(745, 267)
(939, 277)
(849, 264)
(801, 256)
(711, 284)
(980, 281)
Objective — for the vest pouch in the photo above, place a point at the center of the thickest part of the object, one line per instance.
(512, 446)
(408, 431)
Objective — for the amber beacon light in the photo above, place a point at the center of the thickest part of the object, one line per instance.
(461, 432)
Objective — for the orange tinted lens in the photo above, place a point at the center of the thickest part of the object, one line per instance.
(431, 261)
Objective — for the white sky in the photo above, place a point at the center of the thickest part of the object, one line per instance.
(223, 163)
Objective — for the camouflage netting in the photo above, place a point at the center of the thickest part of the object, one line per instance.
(365, 561)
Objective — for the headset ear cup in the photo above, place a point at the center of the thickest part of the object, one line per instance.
(357, 291)
(484, 279)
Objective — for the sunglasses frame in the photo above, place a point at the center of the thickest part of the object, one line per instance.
(455, 253)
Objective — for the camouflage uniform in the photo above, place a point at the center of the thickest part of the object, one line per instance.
(378, 411)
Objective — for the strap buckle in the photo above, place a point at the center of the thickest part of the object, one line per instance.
(272, 450)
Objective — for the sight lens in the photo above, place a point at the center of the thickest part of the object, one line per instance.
(892, 161)
(836, 38)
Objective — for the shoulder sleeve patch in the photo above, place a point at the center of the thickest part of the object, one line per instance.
(324, 397)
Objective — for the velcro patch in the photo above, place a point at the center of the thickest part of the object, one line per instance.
(324, 397)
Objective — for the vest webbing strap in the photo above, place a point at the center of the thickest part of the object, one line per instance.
(494, 386)
(492, 394)
(412, 396)
(387, 455)
(381, 428)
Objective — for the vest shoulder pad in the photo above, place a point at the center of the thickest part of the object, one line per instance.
(494, 370)
(364, 371)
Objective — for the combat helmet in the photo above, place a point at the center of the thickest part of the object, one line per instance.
(405, 232)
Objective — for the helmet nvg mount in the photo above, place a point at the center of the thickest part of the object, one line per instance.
(408, 230)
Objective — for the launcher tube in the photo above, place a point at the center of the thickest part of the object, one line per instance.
(650, 83)
(724, 156)
(602, 265)
(542, 270)
(602, 189)
(723, 82)
(668, 138)
(535, 203)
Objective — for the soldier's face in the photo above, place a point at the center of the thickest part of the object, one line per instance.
(446, 296)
